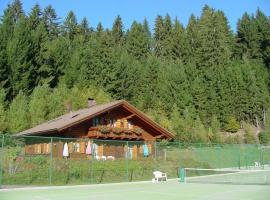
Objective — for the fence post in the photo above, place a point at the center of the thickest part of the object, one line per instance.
(262, 158)
(155, 155)
(239, 157)
(51, 162)
(1, 160)
(127, 155)
(93, 154)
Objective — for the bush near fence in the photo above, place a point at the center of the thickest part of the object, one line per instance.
(18, 168)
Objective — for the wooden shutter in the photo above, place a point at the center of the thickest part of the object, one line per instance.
(149, 148)
(70, 147)
(141, 149)
(100, 150)
(118, 123)
(134, 152)
(82, 147)
(125, 123)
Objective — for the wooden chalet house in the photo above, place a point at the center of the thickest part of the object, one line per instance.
(107, 127)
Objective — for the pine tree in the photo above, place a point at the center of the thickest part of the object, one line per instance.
(84, 28)
(50, 18)
(38, 105)
(192, 37)
(138, 42)
(99, 29)
(3, 117)
(6, 33)
(35, 17)
(18, 119)
(70, 26)
(214, 47)
(263, 28)
(247, 38)
(199, 134)
(20, 55)
(159, 35)
(179, 42)
(249, 136)
(117, 30)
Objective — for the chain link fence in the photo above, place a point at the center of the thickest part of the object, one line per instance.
(33, 160)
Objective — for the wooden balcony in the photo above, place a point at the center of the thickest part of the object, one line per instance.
(105, 132)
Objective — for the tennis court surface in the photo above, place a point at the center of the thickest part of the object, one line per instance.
(169, 190)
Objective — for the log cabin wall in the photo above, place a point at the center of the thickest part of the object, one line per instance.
(119, 118)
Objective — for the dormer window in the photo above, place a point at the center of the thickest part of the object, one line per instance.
(130, 125)
(95, 121)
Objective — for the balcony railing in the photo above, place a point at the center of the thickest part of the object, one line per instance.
(115, 133)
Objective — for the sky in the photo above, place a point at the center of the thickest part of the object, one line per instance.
(105, 11)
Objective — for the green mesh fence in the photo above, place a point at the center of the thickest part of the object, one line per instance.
(33, 160)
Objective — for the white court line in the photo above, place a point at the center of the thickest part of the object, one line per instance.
(78, 186)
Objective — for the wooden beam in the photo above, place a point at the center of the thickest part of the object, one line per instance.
(130, 116)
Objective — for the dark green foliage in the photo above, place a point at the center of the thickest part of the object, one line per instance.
(189, 79)
(264, 137)
(138, 41)
(3, 117)
(232, 125)
(117, 30)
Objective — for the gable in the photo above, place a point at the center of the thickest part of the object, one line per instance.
(64, 122)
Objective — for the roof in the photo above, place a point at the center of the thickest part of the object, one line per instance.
(70, 119)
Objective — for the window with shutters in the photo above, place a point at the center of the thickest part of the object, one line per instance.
(130, 125)
(38, 149)
(47, 147)
(76, 147)
(95, 121)
(122, 123)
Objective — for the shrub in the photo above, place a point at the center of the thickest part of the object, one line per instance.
(249, 136)
(264, 137)
(232, 125)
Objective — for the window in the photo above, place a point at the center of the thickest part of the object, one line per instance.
(95, 121)
(38, 148)
(129, 125)
(129, 152)
(95, 150)
(47, 148)
(112, 122)
(122, 123)
(76, 147)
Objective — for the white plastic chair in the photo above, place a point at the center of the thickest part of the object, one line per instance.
(110, 158)
(159, 176)
(257, 164)
(103, 157)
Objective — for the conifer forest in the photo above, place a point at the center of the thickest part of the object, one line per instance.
(203, 82)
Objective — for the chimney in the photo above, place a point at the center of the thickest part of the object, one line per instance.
(69, 108)
(91, 102)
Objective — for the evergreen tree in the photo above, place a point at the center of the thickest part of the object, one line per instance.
(214, 47)
(20, 55)
(99, 29)
(3, 117)
(84, 28)
(192, 37)
(247, 45)
(263, 28)
(6, 33)
(50, 18)
(159, 35)
(138, 42)
(70, 26)
(18, 119)
(35, 17)
(117, 30)
(38, 105)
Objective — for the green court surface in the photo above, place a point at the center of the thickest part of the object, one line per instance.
(169, 190)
